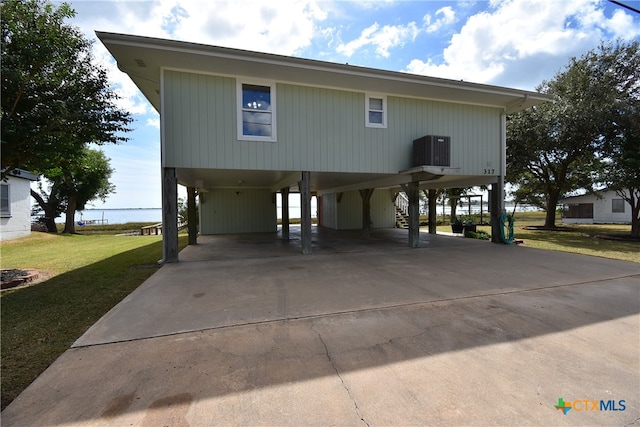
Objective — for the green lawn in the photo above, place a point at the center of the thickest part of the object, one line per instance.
(577, 238)
(89, 274)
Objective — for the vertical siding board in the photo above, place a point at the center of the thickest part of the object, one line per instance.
(184, 127)
(216, 122)
(203, 111)
(324, 138)
(167, 119)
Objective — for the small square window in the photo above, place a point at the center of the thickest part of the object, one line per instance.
(376, 111)
(617, 205)
(256, 112)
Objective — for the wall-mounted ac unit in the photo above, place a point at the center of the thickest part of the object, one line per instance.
(432, 150)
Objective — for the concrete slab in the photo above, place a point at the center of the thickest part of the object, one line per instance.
(456, 332)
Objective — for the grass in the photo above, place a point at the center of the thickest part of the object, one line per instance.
(578, 238)
(89, 274)
(130, 227)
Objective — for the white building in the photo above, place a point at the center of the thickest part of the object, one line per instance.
(15, 205)
(604, 207)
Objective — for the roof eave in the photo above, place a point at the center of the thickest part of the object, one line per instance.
(288, 69)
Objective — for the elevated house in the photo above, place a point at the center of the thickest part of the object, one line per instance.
(15, 204)
(240, 126)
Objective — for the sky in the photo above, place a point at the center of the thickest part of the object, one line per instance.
(511, 43)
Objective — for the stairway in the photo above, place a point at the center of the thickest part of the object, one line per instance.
(402, 220)
(402, 210)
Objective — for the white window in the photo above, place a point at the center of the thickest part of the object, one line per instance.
(375, 111)
(257, 111)
(617, 205)
(5, 202)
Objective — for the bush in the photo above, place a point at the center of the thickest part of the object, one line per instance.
(482, 235)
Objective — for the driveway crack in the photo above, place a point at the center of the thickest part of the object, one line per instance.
(632, 422)
(344, 384)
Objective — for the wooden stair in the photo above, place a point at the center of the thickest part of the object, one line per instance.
(402, 220)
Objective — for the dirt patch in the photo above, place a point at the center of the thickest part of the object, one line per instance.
(543, 228)
(18, 278)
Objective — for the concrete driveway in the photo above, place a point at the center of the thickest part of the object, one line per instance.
(245, 331)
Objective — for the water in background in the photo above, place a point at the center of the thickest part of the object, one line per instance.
(119, 216)
(154, 215)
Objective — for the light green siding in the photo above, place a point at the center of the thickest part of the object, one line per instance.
(383, 211)
(242, 210)
(347, 215)
(318, 130)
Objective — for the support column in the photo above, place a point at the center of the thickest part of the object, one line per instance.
(192, 218)
(497, 209)
(413, 193)
(366, 211)
(169, 215)
(433, 219)
(285, 212)
(497, 194)
(305, 212)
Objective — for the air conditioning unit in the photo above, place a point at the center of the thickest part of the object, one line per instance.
(432, 150)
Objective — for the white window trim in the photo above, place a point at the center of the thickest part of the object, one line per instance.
(240, 127)
(385, 111)
(7, 213)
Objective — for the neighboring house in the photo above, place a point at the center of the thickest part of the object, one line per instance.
(605, 207)
(240, 126)
(15, 205)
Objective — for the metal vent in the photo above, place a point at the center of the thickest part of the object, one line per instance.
(432, 150)
(140, 63)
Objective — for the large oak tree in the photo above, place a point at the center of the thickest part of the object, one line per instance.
(559, 147)
(71, 187)
(55, 100)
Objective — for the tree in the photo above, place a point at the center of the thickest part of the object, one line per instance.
(619, 69)
(454, 195)
(49, 201)
(73, 186)
(555, 148)
(55, 101)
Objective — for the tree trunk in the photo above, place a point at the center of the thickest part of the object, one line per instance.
(453, 204)
(552, 202)
(635, 219)
(70, 224)
(49, 212)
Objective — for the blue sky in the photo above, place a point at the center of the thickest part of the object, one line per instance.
(513, 43)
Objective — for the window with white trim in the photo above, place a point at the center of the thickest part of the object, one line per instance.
(256, 112)
(617, 205)
(375, 111)
(5, 202)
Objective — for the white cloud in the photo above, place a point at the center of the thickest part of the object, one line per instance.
(284, 27)
(382, 38)
(494, 43)
(154, 122)
(447, 16)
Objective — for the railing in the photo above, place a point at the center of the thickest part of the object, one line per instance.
(151, 229)
(402, 202)
(157, 228)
